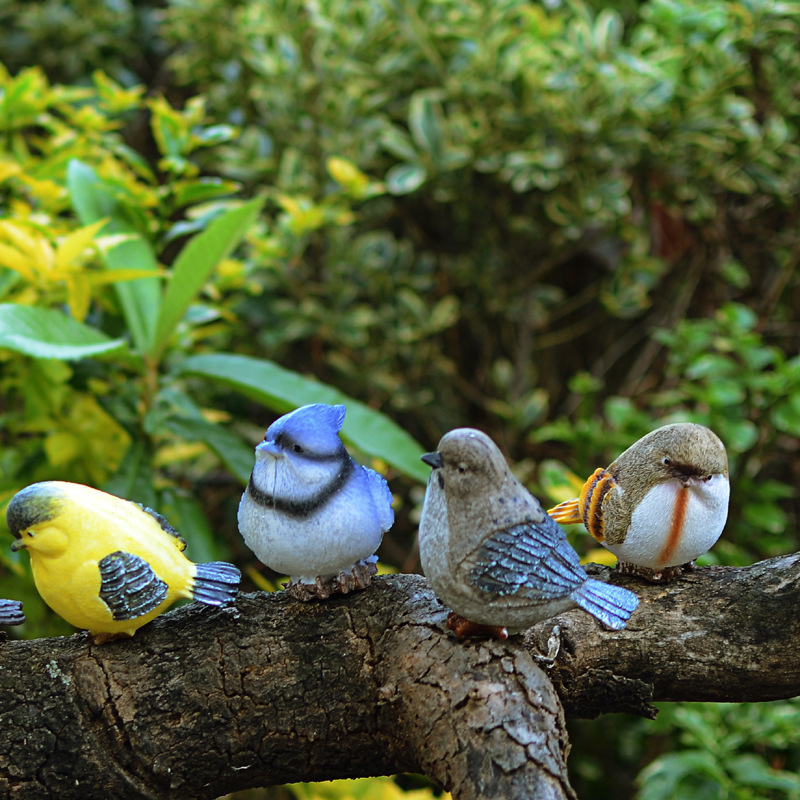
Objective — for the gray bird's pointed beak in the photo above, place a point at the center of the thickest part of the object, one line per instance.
(17, 544)
(433, 460)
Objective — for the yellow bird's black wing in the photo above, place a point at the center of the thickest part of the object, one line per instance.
(128, 586)
(180, 542)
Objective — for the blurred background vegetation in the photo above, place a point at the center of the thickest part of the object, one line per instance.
(564, 223)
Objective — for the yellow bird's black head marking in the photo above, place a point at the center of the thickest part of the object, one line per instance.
(35, 504)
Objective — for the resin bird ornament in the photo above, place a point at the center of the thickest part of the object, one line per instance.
(11, 612)
(309, 510)
(493, 555)
(661, 504)
(106, 564)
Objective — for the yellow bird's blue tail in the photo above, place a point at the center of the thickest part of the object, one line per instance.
(11, 612)
(216, 583)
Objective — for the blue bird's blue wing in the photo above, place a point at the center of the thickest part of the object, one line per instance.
(531, 559)
(128, 586)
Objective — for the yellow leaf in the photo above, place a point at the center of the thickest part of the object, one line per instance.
(62, 447)
(119, 275)
(13, 259)
(259, 580)
(291, 206)
(599, 555)
(73, 246)
(31, 243)
(7, 169)
(44, 190)
(176, 453)
(346, 173)
(78, 296)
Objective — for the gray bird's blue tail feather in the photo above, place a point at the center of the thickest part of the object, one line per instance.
(216, 583)
(612, 605)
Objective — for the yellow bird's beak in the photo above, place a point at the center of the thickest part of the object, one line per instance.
(17, 544)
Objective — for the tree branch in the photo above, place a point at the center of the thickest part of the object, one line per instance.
(718, 634)
(203, 702)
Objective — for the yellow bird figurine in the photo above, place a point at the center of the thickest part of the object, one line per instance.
(107, 564)
(660, 504)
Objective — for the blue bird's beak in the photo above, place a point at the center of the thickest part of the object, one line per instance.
(269, 447)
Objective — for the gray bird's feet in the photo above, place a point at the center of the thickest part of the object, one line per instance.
(463, 628)
(359, 576)
(663, 575)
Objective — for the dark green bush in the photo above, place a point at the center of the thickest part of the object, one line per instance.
(564, 223)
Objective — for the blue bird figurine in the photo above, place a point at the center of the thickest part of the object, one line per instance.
(309, 510)
(11, 612)
(492, 554)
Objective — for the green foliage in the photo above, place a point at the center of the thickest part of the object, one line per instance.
(727, 752)
(564, 223)
(104, 400)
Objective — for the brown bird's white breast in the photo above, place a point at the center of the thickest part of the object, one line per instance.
(675, 522)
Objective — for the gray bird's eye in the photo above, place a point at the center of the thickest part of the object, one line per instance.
(666, 461)
(462, 468)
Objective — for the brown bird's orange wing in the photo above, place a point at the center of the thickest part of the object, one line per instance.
(588, 507)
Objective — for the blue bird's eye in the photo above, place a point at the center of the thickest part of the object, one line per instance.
(296, 448)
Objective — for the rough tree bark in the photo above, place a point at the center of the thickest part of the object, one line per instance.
(203, 702)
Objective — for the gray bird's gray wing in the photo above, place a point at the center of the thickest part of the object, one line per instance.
(531, 559)
(128, 586)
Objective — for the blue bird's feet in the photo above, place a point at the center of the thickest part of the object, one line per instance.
(358, 577)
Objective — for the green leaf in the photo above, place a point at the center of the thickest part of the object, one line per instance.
(282, 390)
(47, 333)
(140, 299)
(195, 263)
(187, 517)
(134, 480)
(425, 122)
(405, 178)
(229, 448)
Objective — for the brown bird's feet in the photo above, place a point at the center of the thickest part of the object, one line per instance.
(463, 628)
(358, 577)
(663, 575)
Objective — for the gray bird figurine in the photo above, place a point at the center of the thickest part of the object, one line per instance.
(310, 511)
(493, 555)
(11, 612)
(660, 504)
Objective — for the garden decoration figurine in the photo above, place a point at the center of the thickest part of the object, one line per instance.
(310, 511)
(493, 555)
(659, 505)
(107, 564)
(11, 612)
